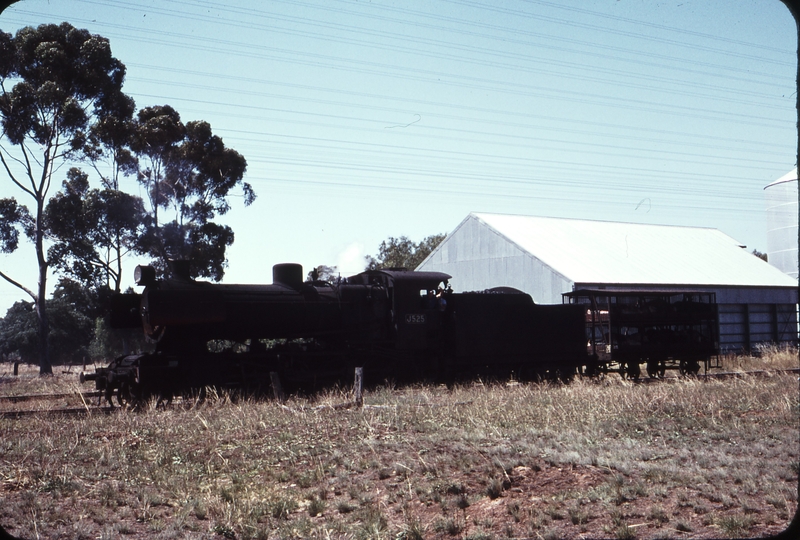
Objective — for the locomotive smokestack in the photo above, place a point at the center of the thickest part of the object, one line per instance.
(289, 274)
(179, 268)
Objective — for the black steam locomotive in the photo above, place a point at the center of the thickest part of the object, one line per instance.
(396, 324)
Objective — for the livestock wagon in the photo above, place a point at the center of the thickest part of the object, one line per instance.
(663, 329)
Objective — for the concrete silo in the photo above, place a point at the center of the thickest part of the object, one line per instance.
(781, 197)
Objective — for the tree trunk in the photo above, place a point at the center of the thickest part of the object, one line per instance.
(45, 368)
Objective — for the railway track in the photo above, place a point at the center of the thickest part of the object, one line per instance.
(71, 411)
(86, 406)
(758, 372)
(644, 379)
(35, 397)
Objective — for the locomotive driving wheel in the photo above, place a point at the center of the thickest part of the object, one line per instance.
(123, 395)
(129, 396)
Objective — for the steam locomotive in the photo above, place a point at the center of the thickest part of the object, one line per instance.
(396, 324)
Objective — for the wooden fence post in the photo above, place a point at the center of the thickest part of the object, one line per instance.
(277, 389)
(358, 386)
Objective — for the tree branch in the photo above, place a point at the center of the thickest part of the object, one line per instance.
(19, 286)
(11, 174)
(28, 168)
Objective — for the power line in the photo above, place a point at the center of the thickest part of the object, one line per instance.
(605, 126)
(457, 80)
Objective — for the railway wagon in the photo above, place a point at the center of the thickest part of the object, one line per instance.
(396, 324)
(661, 329)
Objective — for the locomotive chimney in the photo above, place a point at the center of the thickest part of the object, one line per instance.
(179, 268)
(289, 274)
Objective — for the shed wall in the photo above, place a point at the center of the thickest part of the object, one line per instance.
(478, 258)
(746, 326)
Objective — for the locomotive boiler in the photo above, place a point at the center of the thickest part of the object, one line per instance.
(398, 325)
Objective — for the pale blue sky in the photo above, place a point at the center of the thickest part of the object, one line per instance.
(361, 120)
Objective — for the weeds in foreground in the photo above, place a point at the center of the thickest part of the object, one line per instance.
(735, 526)
(624, 532)
(463, 462)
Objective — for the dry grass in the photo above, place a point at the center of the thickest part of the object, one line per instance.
(28, 380)
(765, 357)
(609, 458)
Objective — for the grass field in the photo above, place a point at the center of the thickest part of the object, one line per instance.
(682, 458)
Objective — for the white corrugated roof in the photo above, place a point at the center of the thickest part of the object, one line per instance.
(610, 252)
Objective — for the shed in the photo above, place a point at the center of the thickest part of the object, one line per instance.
(548, 257)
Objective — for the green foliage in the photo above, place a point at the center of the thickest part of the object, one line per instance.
(108, 343)
(108, 143)
(61, 104)
(12, 216)
(762, 256)
(56, 82)
(69, 336)
(204, 244)
(78, 327)
(89, 301)
(93, 228)
(63, 77)
(188, 172)
(402, 252)
(18, 332)
(323, 273)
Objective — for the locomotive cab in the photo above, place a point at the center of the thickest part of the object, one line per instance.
(418, 304)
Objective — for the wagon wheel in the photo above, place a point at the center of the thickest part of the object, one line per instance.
(656, 369)
(108, 393)
(634, 370)
(164, 400)
(564, 376)
(630, 370)
(592, 367)
(689, 367)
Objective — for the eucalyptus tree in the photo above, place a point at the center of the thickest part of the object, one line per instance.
(56, 82)
(112, 219)
(323, 272)
(402, 252)
(188, 174)
(93, 230)
(71, 321)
